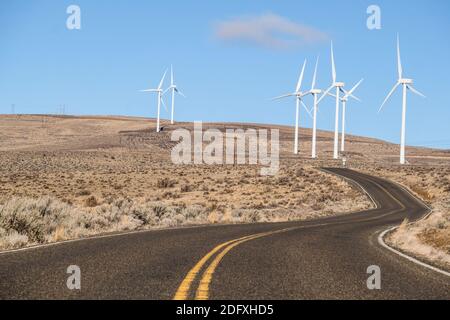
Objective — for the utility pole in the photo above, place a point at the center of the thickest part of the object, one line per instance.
(61, 110)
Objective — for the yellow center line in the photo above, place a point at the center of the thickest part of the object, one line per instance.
(183, 290)
(203, 288)
(185, 286)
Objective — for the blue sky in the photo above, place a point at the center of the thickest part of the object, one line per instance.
(125, 46)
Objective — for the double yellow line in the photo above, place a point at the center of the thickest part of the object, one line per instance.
(202, 292)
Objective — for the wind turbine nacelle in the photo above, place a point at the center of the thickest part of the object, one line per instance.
(316, 91)
(339, 84)
(406, 81)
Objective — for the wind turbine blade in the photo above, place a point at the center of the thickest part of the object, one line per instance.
(162, 80)
(416, 92)
(306, 108)
(283, 96)
(164, 104)
(350, 93)
(399, 59)
(325, 94)
(149, 90)
(180, 93)
(331, 95)
(355, 87)
(333, 66)
(315, 75)
(171, 75)
(300, 80)
(355, 97)
(388, 96)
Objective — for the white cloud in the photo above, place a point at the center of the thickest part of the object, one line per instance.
(268, 30)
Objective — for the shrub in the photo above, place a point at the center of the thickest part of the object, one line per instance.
(165, 183)
(83, 193)
(186, 188)
(91, 202)
(34, 219)
(159, 211)
(12, 239)
(318, 206)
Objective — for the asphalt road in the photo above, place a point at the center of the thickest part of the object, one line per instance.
(320, 259)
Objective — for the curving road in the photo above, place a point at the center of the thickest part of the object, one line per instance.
(320, 259)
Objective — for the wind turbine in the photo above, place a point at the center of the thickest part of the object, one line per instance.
(314, 92)
(406, 84)
(160, 93)
(344, 100)
(339, 88)
(174, 89)
(299, 100)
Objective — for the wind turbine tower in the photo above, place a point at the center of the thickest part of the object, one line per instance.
(339, 88)
(160, 93)
(406, 85)
(299, 95)
(173, 87)
(344, 100)
(315, 93)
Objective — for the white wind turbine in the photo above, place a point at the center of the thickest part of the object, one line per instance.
(406, 84)
(298, 94)
(315, 92)
(339, 88)
(344, 100)
(174, 89)
(160, 93)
